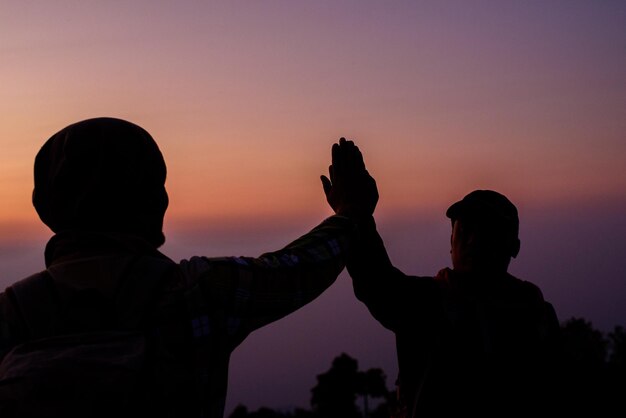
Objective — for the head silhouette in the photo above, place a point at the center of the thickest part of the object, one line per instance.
(102, 175)
(485, 228)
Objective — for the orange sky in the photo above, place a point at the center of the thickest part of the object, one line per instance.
(245, 101)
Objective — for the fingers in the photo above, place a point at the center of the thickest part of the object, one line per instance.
(354, 158)
(331, 174)
(349, 188)
(358, 159)
(326, 185)
(348, 156)
(337, 157)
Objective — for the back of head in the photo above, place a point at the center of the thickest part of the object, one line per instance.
(487, 205)
(485, 231)
(102, 174)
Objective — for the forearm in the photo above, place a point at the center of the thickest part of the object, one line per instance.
(291, 277)
(368, 262)
(377, 283)
(251, 292)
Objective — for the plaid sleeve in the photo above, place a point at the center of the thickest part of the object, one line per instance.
(247, 293)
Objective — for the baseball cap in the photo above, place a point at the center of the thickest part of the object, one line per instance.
(486, 205)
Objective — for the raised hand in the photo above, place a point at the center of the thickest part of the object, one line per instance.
(350, 191)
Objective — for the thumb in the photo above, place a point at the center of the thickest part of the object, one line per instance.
(326, 185)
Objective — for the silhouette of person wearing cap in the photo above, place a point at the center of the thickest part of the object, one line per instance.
(100, 187)
(473, 339)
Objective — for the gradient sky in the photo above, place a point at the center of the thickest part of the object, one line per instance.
(246, 98)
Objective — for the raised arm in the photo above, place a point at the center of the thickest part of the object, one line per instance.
(246, 293)
(388, 293)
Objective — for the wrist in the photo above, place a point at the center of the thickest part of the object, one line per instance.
(357, 217)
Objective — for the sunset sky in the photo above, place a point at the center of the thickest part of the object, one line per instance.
(245, 99)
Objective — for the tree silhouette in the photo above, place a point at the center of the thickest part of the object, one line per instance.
(616, 370)
(617, 343)
(593, 369)
(584, 346)
(334, 395)
(371, 384)
(594, 374)
(242, 412)
(337, 390)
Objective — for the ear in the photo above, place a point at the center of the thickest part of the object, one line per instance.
(451, 235)
(515, 246)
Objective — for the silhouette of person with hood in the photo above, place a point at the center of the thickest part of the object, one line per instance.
(100, 187)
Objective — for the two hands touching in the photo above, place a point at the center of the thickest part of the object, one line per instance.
(350, 190)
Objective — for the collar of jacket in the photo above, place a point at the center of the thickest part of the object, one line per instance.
(70, 245)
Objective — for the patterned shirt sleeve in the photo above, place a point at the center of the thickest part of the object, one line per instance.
(246, 293)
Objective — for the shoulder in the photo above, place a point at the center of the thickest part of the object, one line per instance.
(422, 293)
(526, 289)
(415, 284)
(530, 296)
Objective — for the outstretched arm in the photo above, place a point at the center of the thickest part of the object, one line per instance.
(246, 293)
(387, 292)
(242, 294)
